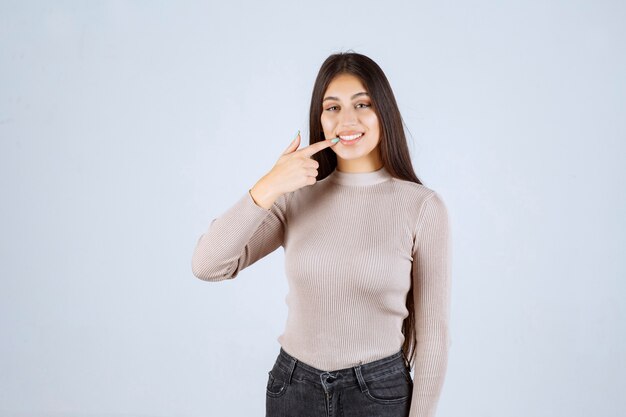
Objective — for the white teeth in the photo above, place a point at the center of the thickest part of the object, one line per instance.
(351, 137)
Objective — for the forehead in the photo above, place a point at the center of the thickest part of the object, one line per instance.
(344, 85)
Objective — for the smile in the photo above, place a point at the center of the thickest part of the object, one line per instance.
(351, 137)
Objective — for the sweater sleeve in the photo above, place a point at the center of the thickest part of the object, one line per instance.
(431, 291)
(239, 237)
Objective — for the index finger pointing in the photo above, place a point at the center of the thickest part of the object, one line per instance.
(318, 146)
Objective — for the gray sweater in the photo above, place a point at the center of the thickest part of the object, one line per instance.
(354, 243)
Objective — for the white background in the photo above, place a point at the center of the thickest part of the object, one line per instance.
(125, 127)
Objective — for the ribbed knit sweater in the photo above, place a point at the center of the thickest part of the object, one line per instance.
(353, 244)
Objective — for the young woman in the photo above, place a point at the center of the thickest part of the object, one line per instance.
(367, 255)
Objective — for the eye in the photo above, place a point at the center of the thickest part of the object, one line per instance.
(364, 104)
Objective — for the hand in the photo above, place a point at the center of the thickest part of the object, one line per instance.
(293, 170)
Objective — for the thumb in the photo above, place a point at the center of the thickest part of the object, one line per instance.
(293, 145)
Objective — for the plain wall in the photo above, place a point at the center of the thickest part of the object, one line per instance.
(125, 127)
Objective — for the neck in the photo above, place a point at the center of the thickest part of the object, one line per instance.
(359, 178)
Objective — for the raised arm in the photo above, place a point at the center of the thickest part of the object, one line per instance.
(248, 231)
(242, 235)
(431, 292)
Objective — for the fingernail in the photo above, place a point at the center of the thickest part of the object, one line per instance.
(335, 140)
(297, 135)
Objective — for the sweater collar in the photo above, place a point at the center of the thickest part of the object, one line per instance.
(359, 178)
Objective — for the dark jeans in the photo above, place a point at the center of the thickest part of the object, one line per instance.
(381, 388)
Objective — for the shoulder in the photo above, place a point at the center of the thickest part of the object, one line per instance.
(417, 195)
(424, 203)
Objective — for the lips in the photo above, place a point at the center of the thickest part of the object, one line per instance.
(350, 142)
(349, 133)
(351, 138)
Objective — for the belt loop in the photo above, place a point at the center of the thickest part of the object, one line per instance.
(359, 376)
(406, 361)
(294, 361)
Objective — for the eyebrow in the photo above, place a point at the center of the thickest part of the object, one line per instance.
(362, 93)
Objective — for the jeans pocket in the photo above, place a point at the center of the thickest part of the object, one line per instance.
(392, 388)
(276, 384)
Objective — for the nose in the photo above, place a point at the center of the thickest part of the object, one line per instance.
(348, 117)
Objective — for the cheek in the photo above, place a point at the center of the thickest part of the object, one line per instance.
(327, 123)
(373, 126)
(371, 120)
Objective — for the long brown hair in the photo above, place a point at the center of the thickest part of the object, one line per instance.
(393, 145)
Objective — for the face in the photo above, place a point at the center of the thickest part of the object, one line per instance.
(347, 111)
